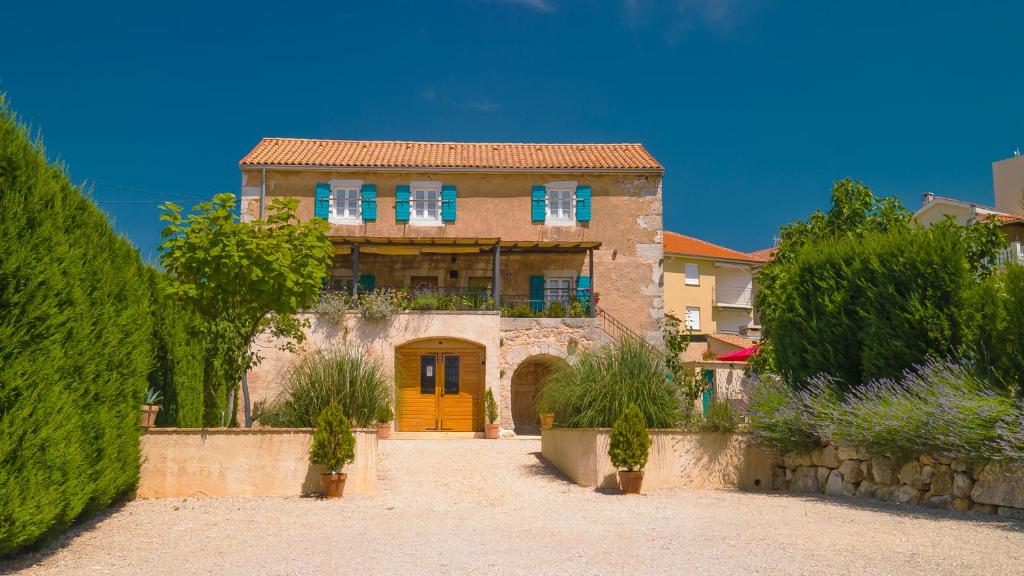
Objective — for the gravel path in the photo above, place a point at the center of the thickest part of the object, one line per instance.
(479, 507)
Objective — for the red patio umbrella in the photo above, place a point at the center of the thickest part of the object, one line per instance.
(739, 355)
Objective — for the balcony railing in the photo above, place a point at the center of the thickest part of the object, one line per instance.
(1012, 254)
(734, 296)
(549, 303)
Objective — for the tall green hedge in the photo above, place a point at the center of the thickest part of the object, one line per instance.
(179, 349)
(994, 322)
(75, 348)
(870, 308)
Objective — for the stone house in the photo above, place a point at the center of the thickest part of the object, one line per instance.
(514, 256)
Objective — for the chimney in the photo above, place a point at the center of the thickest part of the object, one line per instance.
(926, 197)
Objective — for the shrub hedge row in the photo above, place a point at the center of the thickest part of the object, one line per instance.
(75, 348)
(84, 327)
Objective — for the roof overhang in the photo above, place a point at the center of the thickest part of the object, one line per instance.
(406, 246)
(449, 169)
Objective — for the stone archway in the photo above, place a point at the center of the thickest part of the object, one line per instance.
(527, 381)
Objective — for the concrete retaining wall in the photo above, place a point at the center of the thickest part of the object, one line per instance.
(178, 462)
(677, 459)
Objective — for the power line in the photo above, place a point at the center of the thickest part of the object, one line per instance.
(97, 183)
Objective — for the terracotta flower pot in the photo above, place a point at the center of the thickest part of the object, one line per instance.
(491, 431)
(630, 482)
(547, 420)
(333, 485)
(147, 415)
(383, 430)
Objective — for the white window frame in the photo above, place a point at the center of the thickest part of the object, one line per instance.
(560, 189)
(427, 186)
(566, 299)
(687, 321)
(695, 279)
(337, 185)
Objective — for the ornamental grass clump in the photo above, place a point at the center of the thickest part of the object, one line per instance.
(721, 416)
(353, 380)
(598, 385)
(629, 442)
(333, 445)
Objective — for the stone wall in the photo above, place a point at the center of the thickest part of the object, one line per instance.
(179, 462)
(932, 481)
(525, 338)
(677, 459)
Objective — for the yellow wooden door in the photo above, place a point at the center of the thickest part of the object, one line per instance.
(440, 386)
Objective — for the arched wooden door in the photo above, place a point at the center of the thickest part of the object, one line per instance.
(440, 385)
(527, 381)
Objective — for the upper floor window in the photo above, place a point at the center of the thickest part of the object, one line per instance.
(692, 274)
(345, 200)
(561, 203)
(426, 202)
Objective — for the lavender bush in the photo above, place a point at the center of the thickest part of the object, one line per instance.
(938, 407)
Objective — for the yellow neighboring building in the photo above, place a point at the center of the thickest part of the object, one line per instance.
(711, 289)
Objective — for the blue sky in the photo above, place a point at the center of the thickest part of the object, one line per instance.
(754, 108)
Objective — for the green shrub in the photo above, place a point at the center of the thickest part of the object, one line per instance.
(994, 319)
(555, 310)
(491, 405)
(384, 414)
(75, 348)
(352, 379)
(333, 445)
(378, 305)
(333, 306)
(629, 442)
(598, 385)
(521, 311)
(721, 416)
(777, 416)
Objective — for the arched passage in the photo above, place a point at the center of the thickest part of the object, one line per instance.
(439, 385)
(527, 382)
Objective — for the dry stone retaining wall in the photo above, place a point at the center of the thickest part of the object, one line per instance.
(932, 481)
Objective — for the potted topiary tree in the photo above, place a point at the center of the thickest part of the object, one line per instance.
(492, 415)
(333, 447)
(150, 407)
(384, 417)
(628, 449)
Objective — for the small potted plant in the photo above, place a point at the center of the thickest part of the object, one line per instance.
(150, 407)
(384, 417)
(628, 449)
(492, 415)
(333, 447)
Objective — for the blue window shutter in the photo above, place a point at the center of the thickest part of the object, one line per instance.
(536, 293)
(583, 203)
(368, 195)
(402, 203)
(448, 202)
(583, 290)
(539, 207)
(367, 282)
(322, 201)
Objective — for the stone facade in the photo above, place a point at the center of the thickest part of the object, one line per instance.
(929, 480)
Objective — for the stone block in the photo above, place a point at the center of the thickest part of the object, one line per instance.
(851, 471)
(1000, 484)
(826, 457)
(883, 470)
(962, 485)
(906, 495)
(865, 467)
(960, 465)
(779, 478)
(849, 489)
(983, 508)
(823, 473)
(941, 480)
(794, 460)
(834, 484)
(789, 475)
(960, 504)
(911, 475)
(1015, 513)
(886, 492)
(940, 502)
(867, 489)
(805, 479)
(851, 454)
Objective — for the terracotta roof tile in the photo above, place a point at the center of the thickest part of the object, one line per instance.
(734, 339)
(385, 154)
(688, 246)
(762, 255)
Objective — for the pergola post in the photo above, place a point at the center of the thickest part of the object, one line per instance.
(497, 277)
(355, 269)
(593, 302)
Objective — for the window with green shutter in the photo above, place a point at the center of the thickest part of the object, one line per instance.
(322, 201)
(538, 197)
(368, 196)
(448, 203)
(402, 203)
(583, 203)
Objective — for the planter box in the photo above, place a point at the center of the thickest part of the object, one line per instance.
(677, 459)
(179, 462)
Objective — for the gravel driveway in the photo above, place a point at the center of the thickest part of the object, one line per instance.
(493, 507)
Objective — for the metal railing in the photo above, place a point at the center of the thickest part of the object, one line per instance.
(551, 302)
(734, 296)
(1012, 254)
